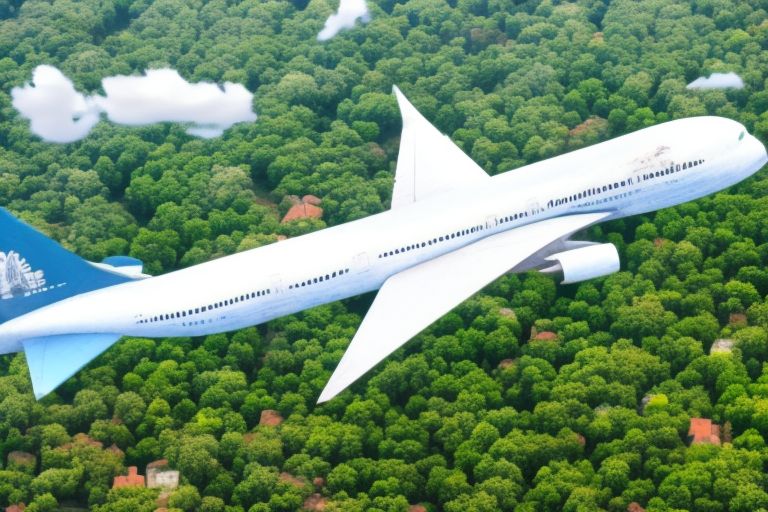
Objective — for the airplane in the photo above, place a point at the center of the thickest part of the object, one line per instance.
(451, 230)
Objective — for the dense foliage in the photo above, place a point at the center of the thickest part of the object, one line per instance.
(558, 425)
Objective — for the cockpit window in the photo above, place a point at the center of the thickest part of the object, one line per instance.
(741, 135)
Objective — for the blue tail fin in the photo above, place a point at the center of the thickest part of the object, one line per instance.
(36, 271)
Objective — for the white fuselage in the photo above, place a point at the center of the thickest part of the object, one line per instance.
(647, 170)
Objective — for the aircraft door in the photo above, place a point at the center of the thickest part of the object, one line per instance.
(360, 263)
(276, 282)
(491, 222)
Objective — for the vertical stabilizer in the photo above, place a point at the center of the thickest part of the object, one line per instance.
(36, 271)
(428, 162)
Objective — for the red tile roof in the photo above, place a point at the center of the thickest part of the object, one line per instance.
(303, 211)
(133, 479)
(702, 430)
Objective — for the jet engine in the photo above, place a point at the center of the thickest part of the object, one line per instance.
(584, 263)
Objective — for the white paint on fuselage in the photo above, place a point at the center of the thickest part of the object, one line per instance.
(355, 251)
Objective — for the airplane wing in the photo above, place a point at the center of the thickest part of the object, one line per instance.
(54, 359)
(410, 301)
(428, 162)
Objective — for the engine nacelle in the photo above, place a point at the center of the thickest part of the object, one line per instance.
(585, 263)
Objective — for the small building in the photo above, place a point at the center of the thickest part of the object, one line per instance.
(303, 211)
(308, 207)
(703, 431)
(16, 507)
(133, 479)
(161, 476)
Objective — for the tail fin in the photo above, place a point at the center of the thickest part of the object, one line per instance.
(429, 162)
(36, 271)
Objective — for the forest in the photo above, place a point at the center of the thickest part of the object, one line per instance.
(530, 396)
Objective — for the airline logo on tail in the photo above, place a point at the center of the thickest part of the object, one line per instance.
(17, 277)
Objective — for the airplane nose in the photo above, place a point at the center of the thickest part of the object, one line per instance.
(761, 157)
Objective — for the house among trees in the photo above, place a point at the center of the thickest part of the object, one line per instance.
(133, 479)
(160, 475)
(305, 208)
(703, 431)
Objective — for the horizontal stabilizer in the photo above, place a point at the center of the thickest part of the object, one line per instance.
(410, 301)
(124, 265)
(429, 162)
(54, 359)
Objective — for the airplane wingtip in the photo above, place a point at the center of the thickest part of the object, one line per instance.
(326, 396)
(407, 110)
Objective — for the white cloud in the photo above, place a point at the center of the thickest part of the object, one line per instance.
(58, 113)
(717, 81)
(349, 12)
(163, 95)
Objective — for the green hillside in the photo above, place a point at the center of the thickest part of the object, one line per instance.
(475, 414)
